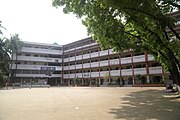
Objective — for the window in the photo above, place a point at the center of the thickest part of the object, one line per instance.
(27, 54)
(17, 62)
(35, 55)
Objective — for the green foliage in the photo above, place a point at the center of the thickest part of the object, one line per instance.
(7, 47)
(106, 77)
(131, 24)
(77, 81)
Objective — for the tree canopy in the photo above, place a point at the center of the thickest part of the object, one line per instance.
(132, 24)
(8, 46)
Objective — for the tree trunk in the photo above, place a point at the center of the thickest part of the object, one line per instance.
(175, 73)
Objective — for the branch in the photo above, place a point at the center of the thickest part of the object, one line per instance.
(173, 4)
(176, 34)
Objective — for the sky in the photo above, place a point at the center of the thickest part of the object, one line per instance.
(39, 21)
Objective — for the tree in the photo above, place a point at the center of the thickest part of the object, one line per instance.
(13, 45)
(132, 24)
(4, 58)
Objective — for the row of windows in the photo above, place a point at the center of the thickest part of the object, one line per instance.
(40, 55)
(36, 72)
(94, 51)
(79, 45)
(43, 47)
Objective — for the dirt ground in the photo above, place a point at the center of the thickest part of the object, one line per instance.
(88, 103)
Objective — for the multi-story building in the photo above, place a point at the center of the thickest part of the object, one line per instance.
(53, 64)
(37, 63)
(85, 60)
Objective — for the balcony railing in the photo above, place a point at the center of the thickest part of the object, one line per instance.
(103, 63)
(139, 58)
(126, 60)
(115, 72)
(86, 65)
(39, 75)
(38, 50)
(79, 66)
(94, 54)
(141, 71)
(155, 70)
(114, 62)
(102, 53)
(94, 74)
(94, 64)
(33, 67)
(126, 72)
(38, 59)
(85, 56)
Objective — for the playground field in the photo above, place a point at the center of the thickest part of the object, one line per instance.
(88, 103)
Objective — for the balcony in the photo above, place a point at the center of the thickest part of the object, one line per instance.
(66, 67)
(72, 67)
(86, 56)
(114, 62)
(33, 67)
(79, 66)
(66, 59)
(79, 57)
(103, 53)
(85, 46)
(94, 64)
(43, 51)
(72, 59)
(39, 75)
(94, 74)
(139, 58)
(155, 70)
(126, 60)
(104, 63)
(102, 73)
(115, 72)
(38, 59)
(141, 71)
(86, 65)
(94, 54)
(71, 75)
(126, 72)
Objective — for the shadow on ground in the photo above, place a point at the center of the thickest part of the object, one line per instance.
(145, 105)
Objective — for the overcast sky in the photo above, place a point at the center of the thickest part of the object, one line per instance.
(39, 21)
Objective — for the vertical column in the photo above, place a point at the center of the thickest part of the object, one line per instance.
(147, 67)
(21, 81)
(75, 61)
(90, 63)
(99, 65)
(120, 69)
(132, 63)
(82, 68)
(62, 65)
(163, 74)
(68, 66)
(109, 67)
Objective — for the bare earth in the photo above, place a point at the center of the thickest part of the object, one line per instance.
(86, 103)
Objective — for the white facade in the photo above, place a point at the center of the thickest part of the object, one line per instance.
(37, 62)
(83, 59)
